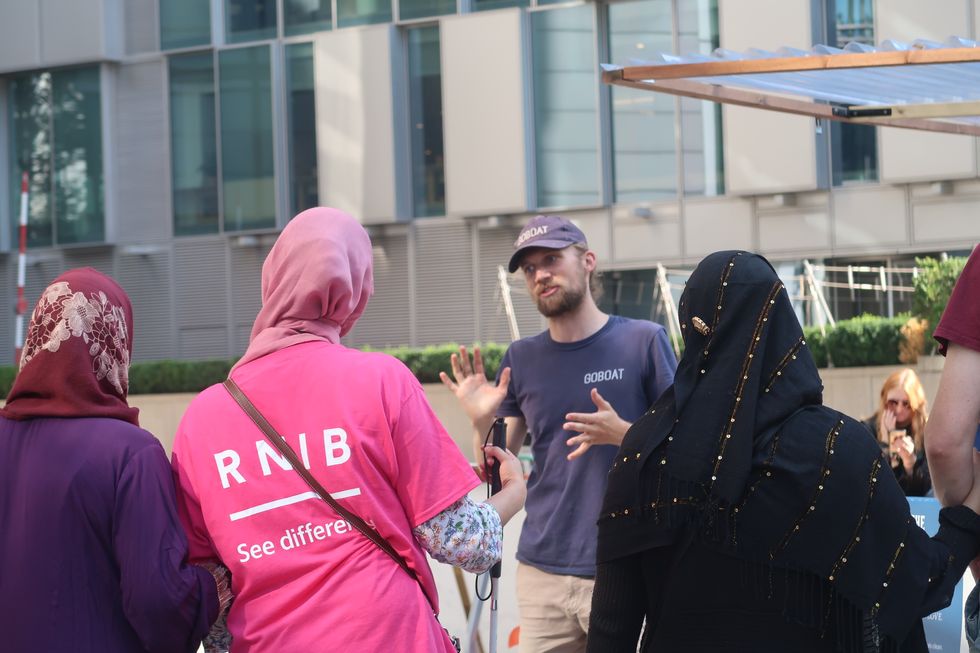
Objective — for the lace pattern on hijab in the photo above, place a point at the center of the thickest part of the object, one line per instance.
(77, 352)
(62, 313)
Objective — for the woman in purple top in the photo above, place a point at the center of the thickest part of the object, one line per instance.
(92, 551)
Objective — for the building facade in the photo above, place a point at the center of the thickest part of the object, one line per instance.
(166, 142)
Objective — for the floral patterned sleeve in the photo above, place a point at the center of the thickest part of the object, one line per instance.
(467, 534)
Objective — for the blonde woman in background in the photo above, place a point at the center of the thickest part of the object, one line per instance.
(899, 424)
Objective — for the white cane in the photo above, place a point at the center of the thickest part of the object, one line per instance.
(499, 430)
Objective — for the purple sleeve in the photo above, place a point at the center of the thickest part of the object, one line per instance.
(663, 364)
(168, 603)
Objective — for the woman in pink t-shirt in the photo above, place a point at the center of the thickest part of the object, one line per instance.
(303, 578)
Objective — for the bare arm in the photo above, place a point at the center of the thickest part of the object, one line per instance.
(952, 425)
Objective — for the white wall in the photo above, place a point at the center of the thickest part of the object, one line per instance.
(484, 113)
(355, 121)
(765, 151)
(904, 154)
(49, 33)
(20, 37)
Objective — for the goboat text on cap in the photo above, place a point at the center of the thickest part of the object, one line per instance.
(547, 231)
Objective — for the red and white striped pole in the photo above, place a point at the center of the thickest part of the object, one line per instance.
(21, 271)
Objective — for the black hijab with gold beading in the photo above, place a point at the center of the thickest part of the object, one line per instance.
(741, 454)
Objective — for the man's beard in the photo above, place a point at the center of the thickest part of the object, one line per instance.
(567, 301)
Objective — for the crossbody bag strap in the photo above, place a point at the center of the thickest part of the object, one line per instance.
(280, 443)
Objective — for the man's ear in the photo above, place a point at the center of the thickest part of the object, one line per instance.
(589, 260)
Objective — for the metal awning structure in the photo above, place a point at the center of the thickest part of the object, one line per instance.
(923, 85)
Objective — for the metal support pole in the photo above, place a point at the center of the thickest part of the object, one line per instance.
(667, 299)
(515, 333)
(21, 271)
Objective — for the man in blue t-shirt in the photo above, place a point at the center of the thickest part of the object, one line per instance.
(576, 387)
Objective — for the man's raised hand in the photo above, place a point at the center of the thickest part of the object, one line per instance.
(479, 397)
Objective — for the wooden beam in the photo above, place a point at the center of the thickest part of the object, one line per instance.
(781, 103)
(794, 64)
(861, 112)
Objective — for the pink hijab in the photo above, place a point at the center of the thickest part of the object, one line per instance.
(316, 282)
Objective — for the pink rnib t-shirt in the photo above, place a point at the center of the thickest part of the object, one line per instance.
(303, 578)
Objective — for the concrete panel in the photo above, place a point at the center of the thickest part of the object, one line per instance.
(72, 31)
(871, 216)
(355, 123)
(20, 35)
(713, 225)
(745, 24)
(947, 221)
(907, 20)
(142, 194)
(141, 29)
(647, 240)
(595, 226)
(484, 121)
(768, 152)
(800, 231)
(907, 155)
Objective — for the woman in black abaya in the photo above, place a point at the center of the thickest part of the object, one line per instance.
(743, 515)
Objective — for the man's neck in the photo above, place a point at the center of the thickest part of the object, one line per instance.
(578, 324)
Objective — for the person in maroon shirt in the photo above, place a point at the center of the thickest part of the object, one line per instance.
(952, 425)
(93, 552)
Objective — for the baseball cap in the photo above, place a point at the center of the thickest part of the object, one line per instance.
(548, 231)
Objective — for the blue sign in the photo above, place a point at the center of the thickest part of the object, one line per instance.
(944, 629)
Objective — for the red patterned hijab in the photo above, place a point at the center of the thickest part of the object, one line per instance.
(76, 358)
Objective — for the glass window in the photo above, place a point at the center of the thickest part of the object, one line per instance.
(77, 120)
(425, 95)
(704, 170)
(854, 148)
(193, 155)
(303, 193)
(247, 164)
(306, 16)
(184, 23)
(565, 106)
(30, 151)
(56, 137)
(363, 12)
(249, 20)
(486, 5)
(409, 9)
(644, 145)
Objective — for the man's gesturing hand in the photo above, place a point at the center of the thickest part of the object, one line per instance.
(479, 398)
(604, 426)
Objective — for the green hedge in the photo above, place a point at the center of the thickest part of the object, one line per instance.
(933, 286)
(426, 362)
(859, 341)
(159, 377)
(865, 340)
